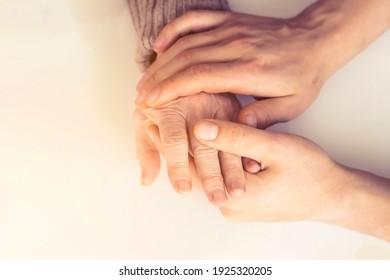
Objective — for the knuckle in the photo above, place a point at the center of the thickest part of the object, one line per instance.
(153, 80)
(185, 57)
(175, 142)
(204, 156)
(201, 150)
(233, 170)
(232, 166)
(212, 176)
(199, 72)
(177, 168)
(204, 153)
(169, 83)
(184, 42)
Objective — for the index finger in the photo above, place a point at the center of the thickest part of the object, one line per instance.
(190, 22)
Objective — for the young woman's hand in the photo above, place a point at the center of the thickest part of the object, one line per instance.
(298, 181)
(283, 62)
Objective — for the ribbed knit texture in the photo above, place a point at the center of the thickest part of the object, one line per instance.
(150, 16)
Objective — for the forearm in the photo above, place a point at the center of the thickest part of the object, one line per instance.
(361, 202)
(343, 28)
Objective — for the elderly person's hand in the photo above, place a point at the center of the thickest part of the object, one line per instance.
(169, 130)
(298, 181)
(282, 61)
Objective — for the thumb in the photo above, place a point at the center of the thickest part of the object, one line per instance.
(236, 139)
(267, 112)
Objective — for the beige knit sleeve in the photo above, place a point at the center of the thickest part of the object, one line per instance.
(150, 16)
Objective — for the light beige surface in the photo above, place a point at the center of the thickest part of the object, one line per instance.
(69, 181)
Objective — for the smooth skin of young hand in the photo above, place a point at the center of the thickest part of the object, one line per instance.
(299, 181)
(283, 61)
(169, 130)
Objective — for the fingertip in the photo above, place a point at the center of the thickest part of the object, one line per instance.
(146, 178)
(159, 44)
(251, 165)
(183, 186)
(251, 120)
(236, 189)
(218, 197)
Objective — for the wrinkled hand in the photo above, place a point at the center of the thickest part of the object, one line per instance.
(278, 60)
(297, 181)
(169, 130)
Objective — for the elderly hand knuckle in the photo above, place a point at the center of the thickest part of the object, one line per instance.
(153, 80)
(233, 168)
(184, 42)
(177, 167)
(176, 141)
(169, 83)
(203, 152)
(185, 57)
(199, 72)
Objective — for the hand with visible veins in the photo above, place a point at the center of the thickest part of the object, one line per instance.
(285, 62)
(169, 130)
(298, 181)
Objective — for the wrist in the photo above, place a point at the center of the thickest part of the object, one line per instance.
(321, 27)
(359, 201)
(339, 30)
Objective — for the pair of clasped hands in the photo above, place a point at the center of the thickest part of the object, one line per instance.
(187, 112)
(203, 132)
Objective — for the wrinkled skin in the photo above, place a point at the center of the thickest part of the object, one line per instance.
(169, 129)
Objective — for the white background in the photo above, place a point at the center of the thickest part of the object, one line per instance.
(69, 181)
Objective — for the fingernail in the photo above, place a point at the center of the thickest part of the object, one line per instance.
(184, 186)
(219, 197)
(159, 42)
(251, 120)
(206, 131)
(152, 96)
